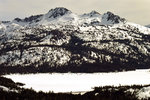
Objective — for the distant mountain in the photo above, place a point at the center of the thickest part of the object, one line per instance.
(62, 41)
(110, 18)
(63, 15)
(147, 26)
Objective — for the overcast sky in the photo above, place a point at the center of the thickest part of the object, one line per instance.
(137, 11)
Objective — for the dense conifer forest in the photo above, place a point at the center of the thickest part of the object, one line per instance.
(15, 92)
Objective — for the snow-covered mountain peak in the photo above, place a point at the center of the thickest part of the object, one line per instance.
(62, 39)
(30, 19)
(92, 14)
(61, 15)
(110, 18)
(57, 12)
(40, 19)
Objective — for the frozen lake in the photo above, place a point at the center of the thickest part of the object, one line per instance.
(68, 82)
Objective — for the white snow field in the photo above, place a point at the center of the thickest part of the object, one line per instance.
(80, 82)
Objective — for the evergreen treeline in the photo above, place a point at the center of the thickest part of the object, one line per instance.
(84, 68)
(99, 93)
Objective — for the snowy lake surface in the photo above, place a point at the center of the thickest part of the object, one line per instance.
(80, 82)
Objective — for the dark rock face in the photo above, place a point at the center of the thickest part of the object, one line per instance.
(60, 11)
(92, 14)
(18, 19)
(114, 18)
(29, 19)
(5, 22)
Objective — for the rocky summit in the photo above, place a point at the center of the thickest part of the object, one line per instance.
(62, 41)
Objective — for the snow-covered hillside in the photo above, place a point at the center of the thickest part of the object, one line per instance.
(62, 41)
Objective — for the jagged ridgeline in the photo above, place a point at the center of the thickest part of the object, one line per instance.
(62, 41)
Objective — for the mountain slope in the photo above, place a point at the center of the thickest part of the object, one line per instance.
(147, 26)
(61, 41)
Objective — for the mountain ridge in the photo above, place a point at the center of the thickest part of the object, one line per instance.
(73, 43)
(58, 14)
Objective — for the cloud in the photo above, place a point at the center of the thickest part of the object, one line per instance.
(134, 10)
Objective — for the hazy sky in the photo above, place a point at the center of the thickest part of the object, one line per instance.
(137, 11)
